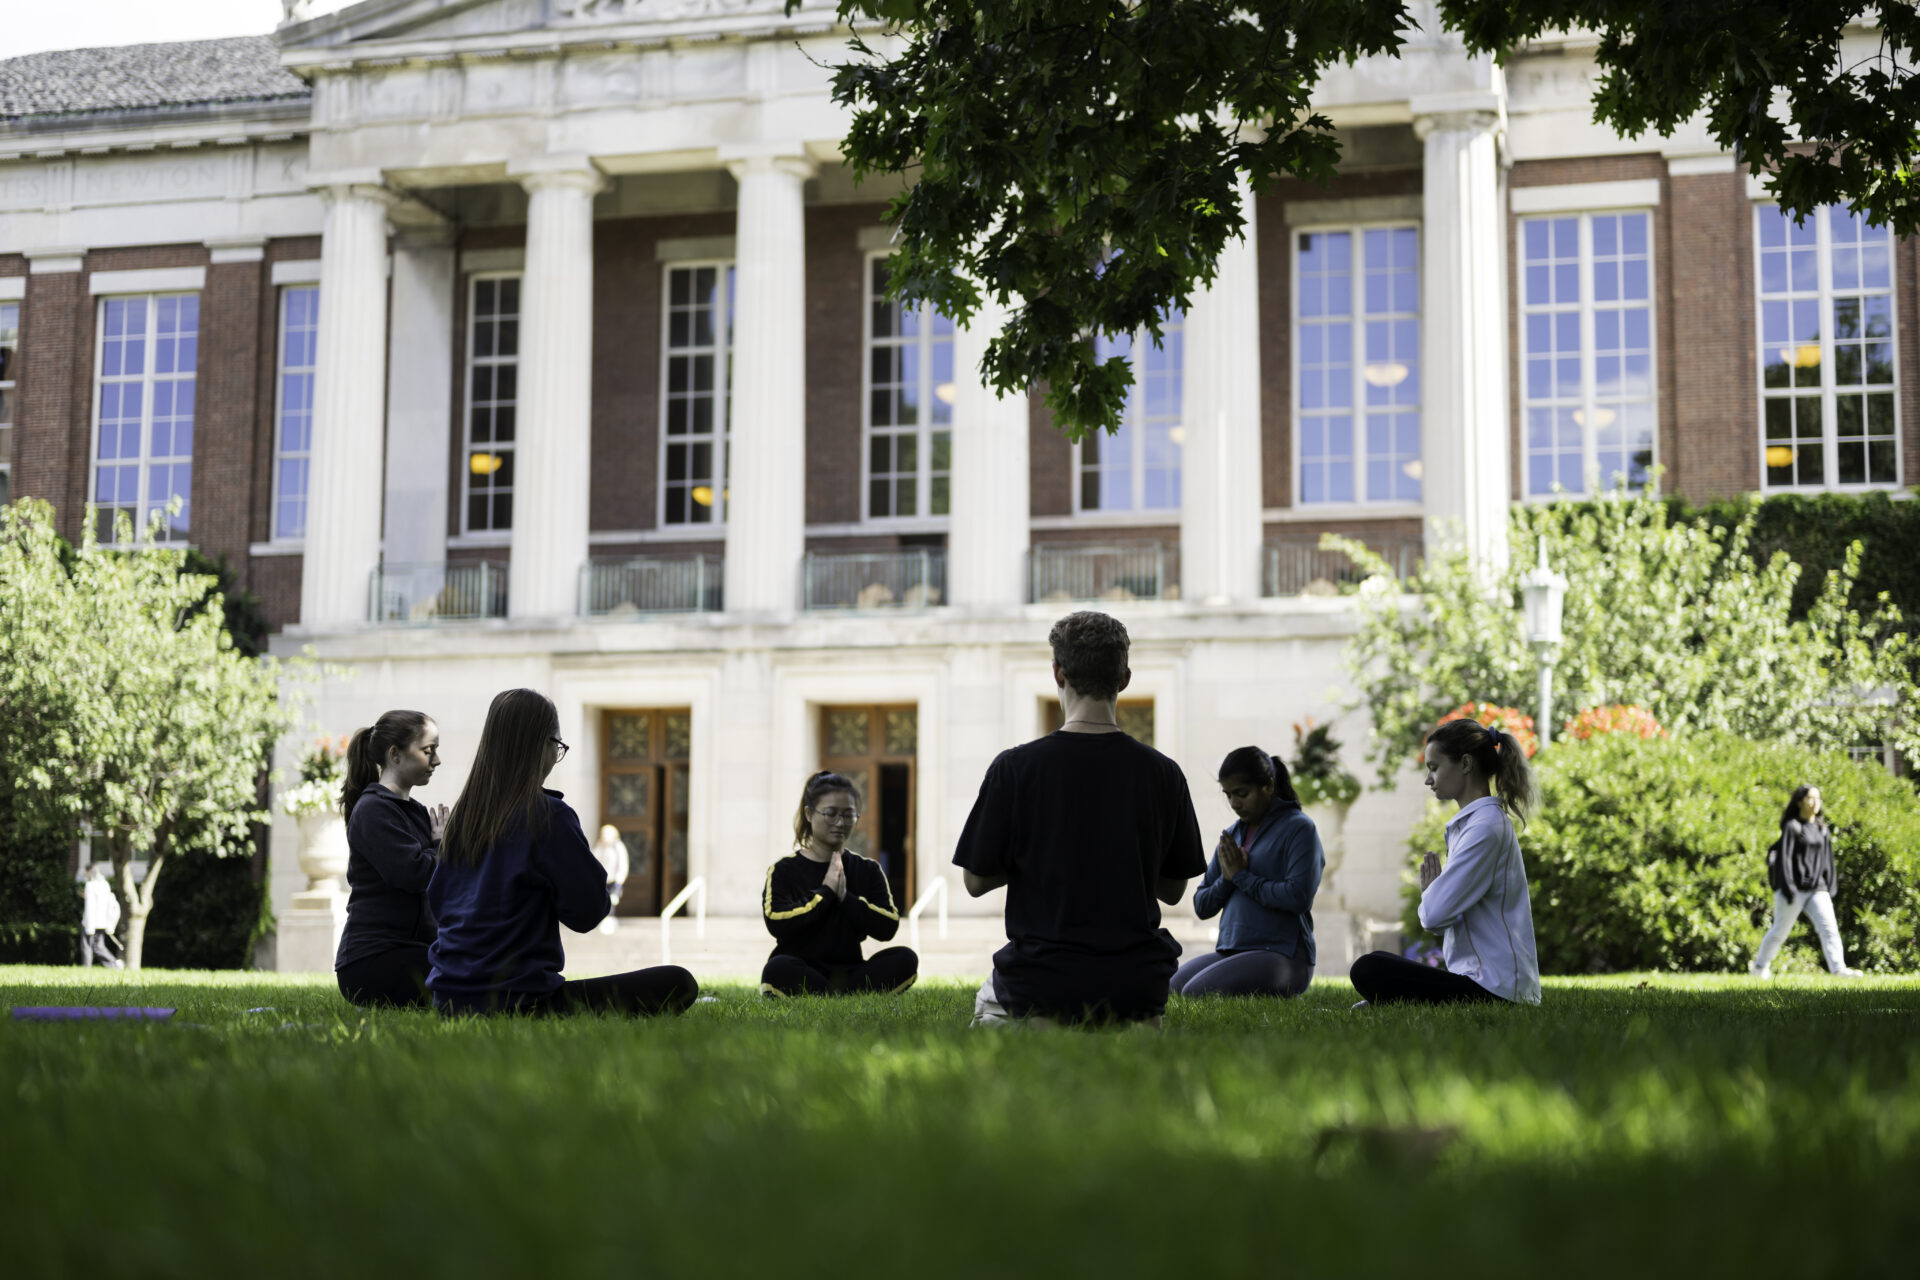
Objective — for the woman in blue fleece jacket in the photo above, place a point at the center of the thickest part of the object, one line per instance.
(515, 866)
(1261, 883)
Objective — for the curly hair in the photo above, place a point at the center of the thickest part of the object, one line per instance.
(1091, 649)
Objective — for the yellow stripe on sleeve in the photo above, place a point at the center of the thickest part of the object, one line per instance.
(766, 905)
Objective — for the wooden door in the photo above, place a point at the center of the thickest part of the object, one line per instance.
(877, 748)
(643, 793)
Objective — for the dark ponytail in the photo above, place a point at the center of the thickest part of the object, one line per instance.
(1500, 760)
(818, 785)
(1253, 764)
(367, 753)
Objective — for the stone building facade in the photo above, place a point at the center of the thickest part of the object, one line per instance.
(501, 342)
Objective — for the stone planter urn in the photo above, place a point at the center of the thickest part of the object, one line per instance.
(323, 851)
(1330, 818)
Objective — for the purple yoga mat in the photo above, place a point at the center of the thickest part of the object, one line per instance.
(76, 1012)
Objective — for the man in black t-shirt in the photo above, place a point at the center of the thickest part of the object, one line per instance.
(1089, 831)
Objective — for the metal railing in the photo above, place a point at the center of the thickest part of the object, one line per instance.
(696, 886)
(422, 594)
(1134, 571)
(912, 579)
(617, 587)
(1298, 566)
(938, 889)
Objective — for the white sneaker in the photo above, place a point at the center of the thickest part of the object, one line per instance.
(1844, 972)
(1759, 971)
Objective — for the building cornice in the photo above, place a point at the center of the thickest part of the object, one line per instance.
(51, 137)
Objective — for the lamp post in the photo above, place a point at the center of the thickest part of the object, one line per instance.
(1543, 592)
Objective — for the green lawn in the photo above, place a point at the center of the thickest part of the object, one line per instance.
(1671, 1126)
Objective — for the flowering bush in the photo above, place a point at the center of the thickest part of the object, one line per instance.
(1507, 719)
(1595, 721)
(321, 770)
(1318, 776)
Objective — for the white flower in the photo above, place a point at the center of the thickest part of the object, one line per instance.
(317, 796)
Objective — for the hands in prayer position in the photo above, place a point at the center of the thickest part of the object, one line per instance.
(836, 877)
(437, 820)
(1429, 870)
(1233, 859)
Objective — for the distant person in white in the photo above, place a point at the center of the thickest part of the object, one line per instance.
(612, 852)
(1479, 901)
(99, 916)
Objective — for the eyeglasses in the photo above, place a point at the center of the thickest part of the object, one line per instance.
(562, 754)
(837, 815)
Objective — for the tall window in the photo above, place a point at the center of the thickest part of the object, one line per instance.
(910, 395)
(9, 373)
(143, 455)
(1587, 325)
(1357, 320)
(1138, 467)
(293, 445)
(493, 396)
(698, 355)
(1828, 404)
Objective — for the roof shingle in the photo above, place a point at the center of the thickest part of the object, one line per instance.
(141, 76)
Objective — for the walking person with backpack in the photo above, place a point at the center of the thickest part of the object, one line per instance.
(1801, 874)
(99, 917)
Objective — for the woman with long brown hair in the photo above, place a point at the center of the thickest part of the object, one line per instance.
(515, 866)
(1479, 901)
(392, 842)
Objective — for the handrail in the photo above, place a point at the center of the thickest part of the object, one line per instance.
(696, 885)
(938, 889)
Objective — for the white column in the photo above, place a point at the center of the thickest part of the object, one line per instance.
(767, 419)
(1220, 498)
(1467, 479)
(342, 545)
(419, 398)
(987, 535)
(553, 445)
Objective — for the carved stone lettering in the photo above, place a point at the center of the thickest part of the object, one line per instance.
(119, 179)
(23, 188)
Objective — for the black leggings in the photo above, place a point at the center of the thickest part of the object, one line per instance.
(893, 969)
(1241, 973)
(1382, 977)
(664, 988)
(395, 978)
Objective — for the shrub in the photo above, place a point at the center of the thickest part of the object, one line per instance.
(1596, 721)
(209, 912)
(1317, 774)
(39, 903)
(1651, 854)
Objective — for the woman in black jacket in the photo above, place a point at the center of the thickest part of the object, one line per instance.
(1800, 873)
(393, 841)
(821, 902)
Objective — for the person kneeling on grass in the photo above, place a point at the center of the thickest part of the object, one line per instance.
(822, 901)
(515, 866)
(1261, 883)
(1089, 831)
(1480, 899)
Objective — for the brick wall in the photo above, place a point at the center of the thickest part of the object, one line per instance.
(836, 342)
(13, 264)
(1710, 430)
(226, 431)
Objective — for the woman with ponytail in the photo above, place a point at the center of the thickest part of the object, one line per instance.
(392, 840)
(515, 866)
(1265, 871)
(822, 901)
(1479, 901)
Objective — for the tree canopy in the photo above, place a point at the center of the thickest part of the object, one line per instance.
(124, 705)
(1076, 160)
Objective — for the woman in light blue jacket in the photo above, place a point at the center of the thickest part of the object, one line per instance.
(1261, 883)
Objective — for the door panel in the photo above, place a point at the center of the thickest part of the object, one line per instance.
(876, 748)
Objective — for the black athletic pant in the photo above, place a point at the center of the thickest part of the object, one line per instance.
(893, 969)
(1382, 977)
(664, 988)
(396, 978)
